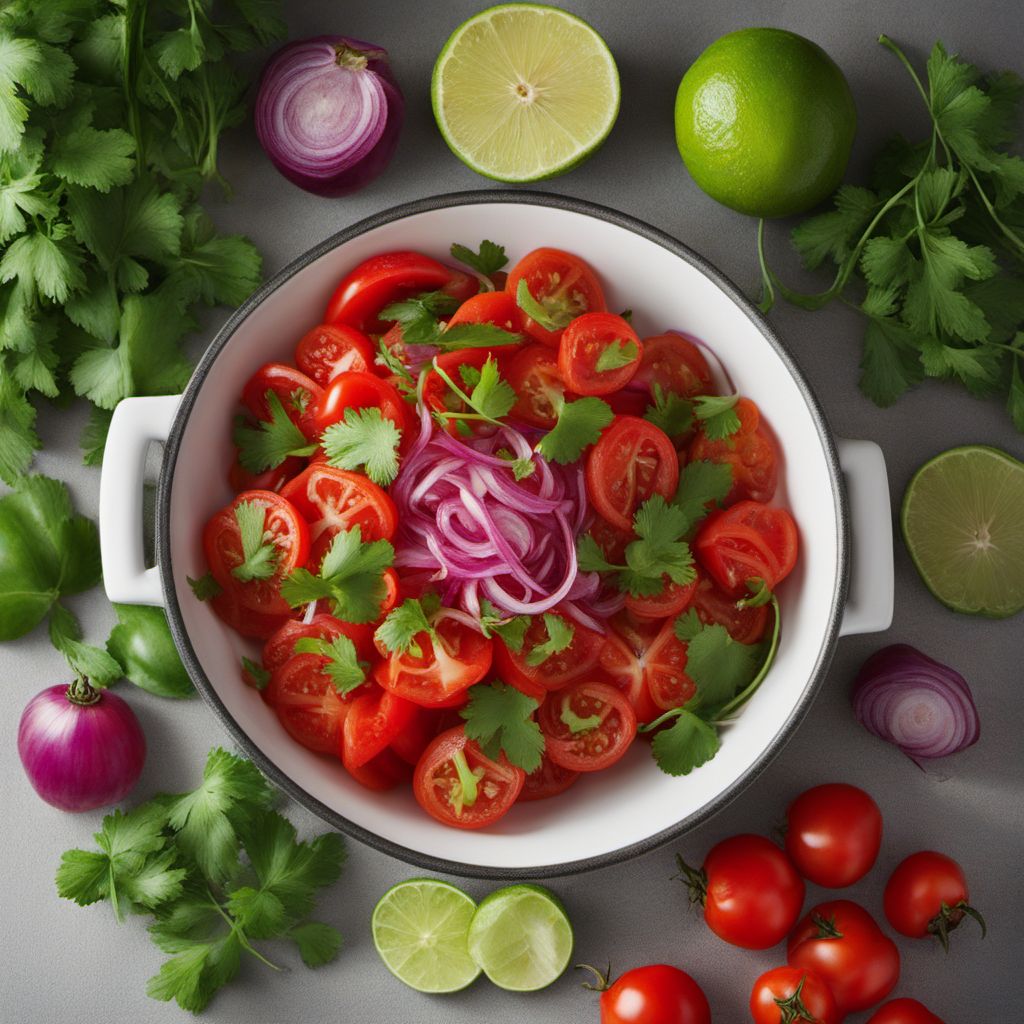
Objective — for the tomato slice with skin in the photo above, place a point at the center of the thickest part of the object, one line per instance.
(565, 285)
(583, 344)
(222, 544)
(410, 743)
(330, 349)
(534, 376)
(676, 364)
(385, 771)
(299, 395)
(386, 278)
(498, 308)
(588, 726)
(241, 479)
(440, 793)
(632, 461)
(672, 599)
(448, 664)
(245, 621)
(744, 625)
(548, 780)
(281, 646)
(750, 452)
(356, 390)
(373, 722)
(579, 659)
(748, 540)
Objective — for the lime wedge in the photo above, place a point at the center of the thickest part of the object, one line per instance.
(963, 521)
(524, 91)
(521, 937)
(419, 929)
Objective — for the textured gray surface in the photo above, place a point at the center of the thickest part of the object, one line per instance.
(65, 963)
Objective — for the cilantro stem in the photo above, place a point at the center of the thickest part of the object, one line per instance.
(745, 694)
(767, 277)
(1006, 230)
(237, 931)
(902, 57)
(465, 398)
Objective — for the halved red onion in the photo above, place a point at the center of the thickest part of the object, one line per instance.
(915, 702)
(328, 113)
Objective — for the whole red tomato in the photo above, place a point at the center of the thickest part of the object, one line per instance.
(904, 1011)
(840, 941)
(750, 891)
(788, 995)
(657, 994)
(833, 834)
(927, 895)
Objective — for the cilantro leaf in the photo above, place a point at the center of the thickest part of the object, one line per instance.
(403, 624)
(575, 724)
(259, 552)
(491, 397)
(579, 425)
(686, 744)
(488, 260)
(270, 442)
(318, 943)
(658, 550)
(702, 485)
(343, 666)
(718, 665)
(560, 633)
(365, 439)
(467, 335)
(499, 718)
(718, 415)
(617, 353)
(590, 555)
(257, 673)
(670, 412)
(94, 663)
(418, 316)
(97, 158)
(510, 629)
(205, 587)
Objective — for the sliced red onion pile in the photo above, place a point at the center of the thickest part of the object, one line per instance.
(476, 532)
(922, 706)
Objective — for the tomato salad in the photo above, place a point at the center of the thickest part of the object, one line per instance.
(490, 536)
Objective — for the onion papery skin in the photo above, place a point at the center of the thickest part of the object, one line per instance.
(80, 756)
(916, 703)
(327, 128)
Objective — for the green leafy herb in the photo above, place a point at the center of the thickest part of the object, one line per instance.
(687, 744)
(615, 354)
(418, 315)
(579, 425)
(343, 666)
(560, 633)
(364, 439)
(510, 629)
(491, 396)
(574, 723)
(270, 442)
(717, 414)
(403, 624)
(351, 577)
(487, 260)
(259, 552)
(142, 643)
(467, 335)
(95, 664)
(256, 672)
(670, 412)
(405, 382)
(702, 485)
(205, 587)
(499, 718)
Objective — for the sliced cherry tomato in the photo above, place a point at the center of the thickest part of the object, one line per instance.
(904, 1011)
(373, 722)
(751, 892)
(840, 941)
(580, 659)
(299, 395)
(548, 780)
(647, 661)
(563, 284)
(611, 540)
(833, 834)
(354, 390)
(675, 364)
(745, 625)
(632, 461)
(222, 543)
(441, 792)
(448, 664)
(245, 621)
(386, 278)
(241, 479)
(330, 349)
(410, 743)
(787, 995)
(927, 895)
(587, 726)
(385, 771)
(750, 452)
(656, 994)
(281, 646)
(672, 599)
(587, 341)
(535, 378)
(498, 308)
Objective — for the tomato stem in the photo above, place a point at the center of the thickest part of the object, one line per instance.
(949, 917)
(602, 981)
(695, 879)
(826, 926)
(793, 1009)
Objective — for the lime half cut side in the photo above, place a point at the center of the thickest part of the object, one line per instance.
(963, 521)
(524, 91)
(420, 928)
(521, 937)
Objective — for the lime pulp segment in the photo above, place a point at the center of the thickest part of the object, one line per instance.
(524, 91)
(521, 937)
(963, 521)
(420, 929)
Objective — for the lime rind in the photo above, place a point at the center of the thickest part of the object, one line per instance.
(546, 48)
(964, 528)
(420, 929)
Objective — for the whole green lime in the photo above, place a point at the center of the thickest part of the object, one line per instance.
(765, 122)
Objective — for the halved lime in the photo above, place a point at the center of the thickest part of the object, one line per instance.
(963, 521)
(524, 91)
(521, 937)
(420, 929)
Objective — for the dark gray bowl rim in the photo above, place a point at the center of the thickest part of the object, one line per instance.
(292, 788)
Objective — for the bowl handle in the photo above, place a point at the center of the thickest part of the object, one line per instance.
(872, 590)
(135, 423)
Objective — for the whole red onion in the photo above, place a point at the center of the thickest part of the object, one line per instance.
(328, 113)
(81, 747)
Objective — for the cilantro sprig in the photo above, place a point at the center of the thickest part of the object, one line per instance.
(270, 442)
(510, 629)
(617, 353)
(419, 318)
(412, 618)
(669, 412)
(487, 260)
(560, 633)
(260, 555)
(342, 665)
(364, 439)
(579, 425)
(499, 718)
(490, 396)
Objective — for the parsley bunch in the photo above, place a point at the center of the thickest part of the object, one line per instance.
(218, 870)
(932, 254)
(110, 115)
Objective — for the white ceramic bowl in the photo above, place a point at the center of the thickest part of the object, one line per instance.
(612, 815)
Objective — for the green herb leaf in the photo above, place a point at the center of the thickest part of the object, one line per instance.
(615, 354)
(492, 397)
(579, 425)
(499, 718)
(343, 666)
(364, 439)
(510, 629)
(466, 335)
(687, 744)
(205, 587)
(259, 552)
(658, 550)
(560, 633)
(487, 260)
(270, 442)
(257, 673)
(536, 312)
(95, 664)
(574, 723)
(670, 412)
(718, 415)
(702, 486)
(403, 624)
(418, 316)
(718, 665)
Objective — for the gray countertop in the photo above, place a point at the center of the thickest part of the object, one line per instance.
(63, 963)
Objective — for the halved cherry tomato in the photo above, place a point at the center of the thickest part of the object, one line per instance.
(330, 349)
(548, 780)
(354, 390)
(587, 727)
(660, 656)
(672, 599)
(632, 461)
(498, 308)
(676, 364)
(786, 995)
(281, 646)
(746, 541)
(750, 452)
(447, 665)
(579, 659)
(904, 1011)
(562, 283)
(585, 341)
(222, 543)
(242, 479)
(439, 791)
(299, 395)
(410, 743)
(383, 279)
(624, 662)
(385, 771)
(373, 722)
(535, 378)
(655, 994)
(744, 625)
(245, 621)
